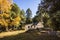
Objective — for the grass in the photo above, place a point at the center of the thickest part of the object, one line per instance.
(31, 35)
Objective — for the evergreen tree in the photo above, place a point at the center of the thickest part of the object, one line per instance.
(28, 16)
(48, 10)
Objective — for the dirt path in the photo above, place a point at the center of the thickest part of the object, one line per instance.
(5, 34)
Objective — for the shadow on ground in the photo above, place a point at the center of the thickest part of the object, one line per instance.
(32, 35)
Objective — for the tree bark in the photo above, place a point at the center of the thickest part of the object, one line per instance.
(6, 28)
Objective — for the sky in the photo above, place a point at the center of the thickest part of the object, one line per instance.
(25, 4)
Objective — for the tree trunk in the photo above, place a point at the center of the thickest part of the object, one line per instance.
(6, 28)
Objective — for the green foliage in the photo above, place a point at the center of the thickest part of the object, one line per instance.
(28, 21)
(36, 19)
(28, 16)
(49, 12)
(14, 17)
(28, 13)
(23, 17)
(15, 9)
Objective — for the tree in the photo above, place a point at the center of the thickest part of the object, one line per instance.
(5, 7)
(50, 7)
(23, 18)
(28, 16)
(15, 9)
(15, 17)
(10, 15)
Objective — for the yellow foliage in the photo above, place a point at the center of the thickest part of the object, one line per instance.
(17, 18)
(16, 21)
(3, 22)
(1, 15)
(6, 15)
(5, 7)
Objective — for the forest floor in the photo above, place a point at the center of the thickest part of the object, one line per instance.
(10, 33)
(27, 35)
